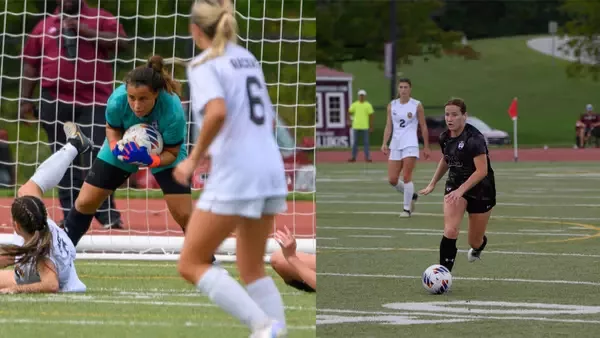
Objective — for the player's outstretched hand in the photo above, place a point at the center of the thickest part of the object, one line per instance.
(453, 197)
(183, 172)
(287, 242)
(428, 189)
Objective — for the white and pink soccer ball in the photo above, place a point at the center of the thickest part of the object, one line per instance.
(144, 135)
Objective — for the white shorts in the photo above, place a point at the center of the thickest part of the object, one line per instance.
(253, 208)
(400, 154)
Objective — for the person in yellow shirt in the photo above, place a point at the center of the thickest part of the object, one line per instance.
(361, 115)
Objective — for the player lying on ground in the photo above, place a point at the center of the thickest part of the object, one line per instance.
(297, 269)
(149, 95)
(247, 185)
(404, 115)
(43, 254)
(470, 185)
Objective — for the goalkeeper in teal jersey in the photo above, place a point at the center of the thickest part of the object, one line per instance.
(149, 95)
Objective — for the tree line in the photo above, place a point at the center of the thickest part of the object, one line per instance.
(352, 30)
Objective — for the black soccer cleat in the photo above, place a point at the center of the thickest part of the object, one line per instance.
(74, 136)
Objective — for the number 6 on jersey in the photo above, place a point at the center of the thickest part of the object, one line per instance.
(258, 117)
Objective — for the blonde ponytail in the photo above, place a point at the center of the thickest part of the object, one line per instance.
(218, 22)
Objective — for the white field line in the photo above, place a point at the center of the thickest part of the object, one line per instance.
(351, 195)
(452, 315)
(504, 204)
(160, 292)
(74, 298)
(546, 218)
(486, 252)
(173, 265)
(508, 280)
(499, 169)
(436, 232)
(132, 323)
(141, 294)
(370, 236)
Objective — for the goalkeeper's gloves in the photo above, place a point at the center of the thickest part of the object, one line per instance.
(134, 154)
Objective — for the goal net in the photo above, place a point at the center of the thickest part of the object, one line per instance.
(281, 34)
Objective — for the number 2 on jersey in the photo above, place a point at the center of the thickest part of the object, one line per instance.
(255, 102)
(402, 123)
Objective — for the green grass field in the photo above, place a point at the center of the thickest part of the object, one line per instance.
(549, 101)
(137, 299)
(537, 278)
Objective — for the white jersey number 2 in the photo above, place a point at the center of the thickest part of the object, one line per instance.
(257, 107)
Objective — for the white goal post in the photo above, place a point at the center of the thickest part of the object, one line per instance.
(280, 33)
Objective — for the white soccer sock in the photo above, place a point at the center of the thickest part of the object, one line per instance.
(228, 294)
(409, 190)
(400, 186)
(265, 294)
(50, 172)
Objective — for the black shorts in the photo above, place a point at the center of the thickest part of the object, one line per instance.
(104, 175)
(475, 206)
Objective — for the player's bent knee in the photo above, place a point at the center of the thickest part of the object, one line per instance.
(451, 231)
(181, 214)
(90, 198)
(393, 181)
(186, 270)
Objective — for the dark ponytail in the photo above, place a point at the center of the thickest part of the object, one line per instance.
(154, 75)
(30, 213)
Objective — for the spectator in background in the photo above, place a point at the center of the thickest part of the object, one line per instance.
(69, 52)
(361, 115)
(587, 126)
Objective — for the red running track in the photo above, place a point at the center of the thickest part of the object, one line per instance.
(143, 216)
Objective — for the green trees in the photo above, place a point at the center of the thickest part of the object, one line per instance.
(358, 30)
(584, 23)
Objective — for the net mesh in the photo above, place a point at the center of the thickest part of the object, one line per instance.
(281, 34)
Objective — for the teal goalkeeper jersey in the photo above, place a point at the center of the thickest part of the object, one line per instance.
(167, 116)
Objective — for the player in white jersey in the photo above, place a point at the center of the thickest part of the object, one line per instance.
(42, 253)
(404, 115)
(246, 187)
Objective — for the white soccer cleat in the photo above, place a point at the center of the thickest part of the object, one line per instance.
(74, 136)
(405, 214)
(273, 329)
(473, 255)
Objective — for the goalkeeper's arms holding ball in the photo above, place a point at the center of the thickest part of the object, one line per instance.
(150, 96)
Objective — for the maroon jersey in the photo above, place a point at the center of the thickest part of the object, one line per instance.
(588, 119)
